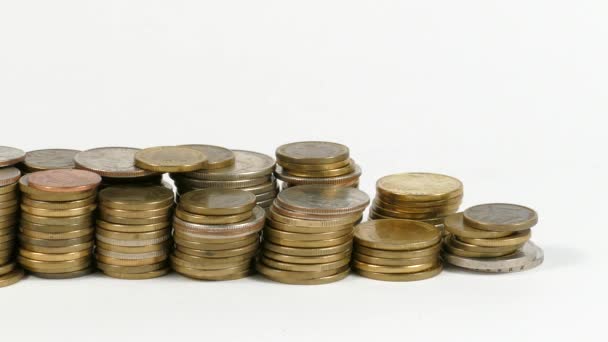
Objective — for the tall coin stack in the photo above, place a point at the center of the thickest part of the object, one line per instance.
(9, 210)
(217, 234)
(49, 159)
(309, 234)
(425, 197)
(397, 250)
(316, 162)
(492, 238)
(56, 229)
(250, 171)
(134, 231)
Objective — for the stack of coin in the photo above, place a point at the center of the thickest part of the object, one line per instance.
(116, 166)
(316, 162)
(309, 234)
(134, 231)
(56, 229)
(49, 159)
(217, 234)
(397, 250)
(492, 238)
(425, 197)
(251, 172)
(9, 209)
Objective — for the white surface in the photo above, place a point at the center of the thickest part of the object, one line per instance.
(509, 96)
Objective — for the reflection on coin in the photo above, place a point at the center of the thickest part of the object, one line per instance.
(10, 156)
(115, 162)
(170, 159)
(500, 217)
(217, 157)
(50, 159)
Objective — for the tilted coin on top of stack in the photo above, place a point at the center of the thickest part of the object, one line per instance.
(316, 162)
(217, 234)
(426, 197)
(492, 238)
(250, 171)
(9, 209)
(56, 230)
(309, 234)
(49, 159)
(397, 250)
(134, 231)
(116, 165)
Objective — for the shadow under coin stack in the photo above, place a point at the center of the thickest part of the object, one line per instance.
(251, 172)
(134, 231)
(116, 166)
(309, 234)
(217, 234)
(56, 229)
(425, 197)
(49, 159)
(316, 162)
(397, 250)
(492, 238)
(9, 210)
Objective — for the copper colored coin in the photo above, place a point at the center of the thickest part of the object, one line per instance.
(9, 175)
(50, 159)
(64, 180)
(114, 162)
(10, 156)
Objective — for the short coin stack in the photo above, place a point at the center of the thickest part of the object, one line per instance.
(134, 231)
(56, 229)
(250, 171)
(492, 238)
(49, 159)
(316, 162)
(217, 234)
(9, 209)
(425, 197)
(309, 234)
(397, 250)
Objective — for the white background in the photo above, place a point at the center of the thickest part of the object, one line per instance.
(508, 96)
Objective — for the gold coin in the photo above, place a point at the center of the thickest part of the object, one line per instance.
(408, 216)
(515, 239)
(396, 235)
(163, 246)
(202, 219)
(450, 248)
(8, 188)
(43, 228)
(139, 276)
(58, 213)
(137, 214)
(8, 237)
(136, 198)
(214, 202)
(455, 225)
(175, 260)
(306, 260)
(310, 244)
(318, 199)
(312, 167)
(132, 269)
(217, 157)
(8, 230)
(252, 225)
(112, 162)
(65, 275)
(279, 265)
(208, 239)
(315, 281)
(55, 243)
(277, 234)
(126, 228)
(58, 221)
(307, 230)
(215, 246)
(57, 250)
(395, 262)
(500, 217)
(52, 196)
(378, 253)
(247, 165)
(220, 253)
(7, 268)
(457, 243)
(55, 257)
(28, 201)
(9, 196)
(221, 262)
(36, 271)
(50, 266)
(428, 211)
(58, 236)
(134, 243)
(393, 269)
(274, 273)
(402, 276)
(9, 204)
(9, 211)
(12, 277)
(262, 188)
(419, 187)
(170, 159)
(348, 169)
(200, 276)
(419, 205)
(275, 207)
(307, 252)
(266, 196)
(130, 262)
(50, 159)
(163, 219)
(312, 152)
(199, 273)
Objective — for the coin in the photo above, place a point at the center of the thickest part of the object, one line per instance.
(130, 262)
(6, 268)
(310, 244)
(187, 182)
(246, 264)
(44, 228)
(295, 281)
(5, 189)
(344, 180)
(348, 169)
(57, 236)
(396, 234)
(26, 200)
(215, 246)
(307, 252)
(409, 216)
(50, 159)
(278, 234)
(382, 199)
(10, 156)
(54, 257)
(58, 212)
(203, 219)
(41, 195)
(132, 236)
(9, 175)
(9, 203)
(50, 266)
(428, 211)
(113, 162)
(139, 276)
(217, 157)
(57, 250)
(309, 223)
(314, 167)
(223, 262)
(312, 152)
(514, 239)
(162, 219)
(307, 260)
(457, 243)
(136, 197)
(221, 253)
(211, 276)
(65, 275)
(137, 214)
(455, 225)
(317, 199)
(527, 257)
(143, 248)
(218, 202)
(393, 269)
(285, 266)
(170, 159)
(419, 186)
(450, 248)
(211, 238)
(500, 217)
(13, 276)
(54, 243)
(252, 225)
(86, 219)
(125, 228)
(131, 269)
(395, 262)
(402, 276)
(247, 165)
(64, 180)
(307, 230)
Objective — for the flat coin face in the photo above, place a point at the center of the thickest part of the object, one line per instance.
(419, 186)
(10, 156)
(500, 217)
(136, 197)
(115, 162)
(64, 180)
(218, 201)
(321, 199)
(312, 152)
(247, 165)
(170, 159)
(50, 159)
(9, 175)
(397, 234)
(217, 157)
(455, 225)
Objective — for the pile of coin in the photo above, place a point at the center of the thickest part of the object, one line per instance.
(134, 231)
(397, 250)
(116, 166)
(9, 210)
(425, 197)
(316, 162)
(309, 234)
(492, 238)
(49, 159)
(249, 171)
(217, 234)
(56, 229)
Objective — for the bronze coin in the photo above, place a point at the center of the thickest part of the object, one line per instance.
(64, 180)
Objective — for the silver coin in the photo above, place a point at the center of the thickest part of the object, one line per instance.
(527, 257)
(231, 184)
(247, 165)
(117, 162)
(9, 175)
(217, 157)
(50, 159)
(320, 199)
(10, 156)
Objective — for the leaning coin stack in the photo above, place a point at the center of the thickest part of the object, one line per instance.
(49, 159)
(56, 229)
(397, 250)
(492, 238)
(134, 231)
(217, 234)
(116, 166)
(316, 162)
(250, 171)
(425, 197)
(309, 234)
